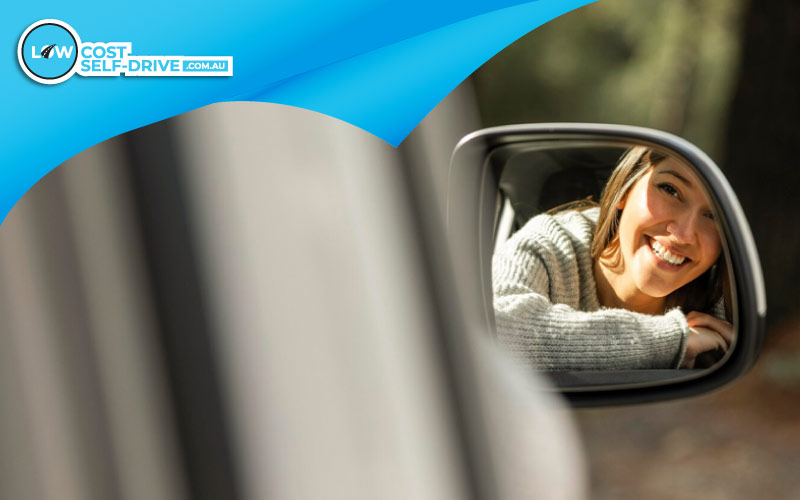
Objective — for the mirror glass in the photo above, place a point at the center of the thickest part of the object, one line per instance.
(610, 263)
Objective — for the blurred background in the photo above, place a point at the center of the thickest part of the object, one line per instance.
(137, 260)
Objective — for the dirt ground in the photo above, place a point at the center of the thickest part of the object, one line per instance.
(742, 442)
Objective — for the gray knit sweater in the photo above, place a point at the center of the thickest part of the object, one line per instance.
(547, 310)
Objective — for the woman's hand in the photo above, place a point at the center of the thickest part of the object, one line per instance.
(706, 333)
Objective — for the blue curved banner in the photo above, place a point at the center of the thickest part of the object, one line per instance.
(75, 75)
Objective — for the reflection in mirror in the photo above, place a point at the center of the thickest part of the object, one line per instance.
(609, 257)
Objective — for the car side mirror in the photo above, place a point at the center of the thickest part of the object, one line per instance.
(616, 259)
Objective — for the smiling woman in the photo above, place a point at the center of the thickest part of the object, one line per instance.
(636, 282)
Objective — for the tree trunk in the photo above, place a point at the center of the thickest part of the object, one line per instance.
(763, 142)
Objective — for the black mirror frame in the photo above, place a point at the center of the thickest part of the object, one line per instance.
(471, 201)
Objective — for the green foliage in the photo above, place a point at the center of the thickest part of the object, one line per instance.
(667, 64)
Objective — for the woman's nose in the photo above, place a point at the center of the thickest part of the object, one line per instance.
(684, 228)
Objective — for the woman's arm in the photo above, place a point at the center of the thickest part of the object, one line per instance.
(558, 337)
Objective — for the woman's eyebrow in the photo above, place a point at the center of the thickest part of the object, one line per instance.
(679, 176)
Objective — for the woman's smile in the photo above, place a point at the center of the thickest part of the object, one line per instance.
(672, 258)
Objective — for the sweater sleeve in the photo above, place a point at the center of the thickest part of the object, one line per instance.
(558, 336)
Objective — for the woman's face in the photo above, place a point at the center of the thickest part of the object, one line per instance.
(667, 232)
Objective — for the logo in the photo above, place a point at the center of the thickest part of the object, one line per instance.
(50, 51)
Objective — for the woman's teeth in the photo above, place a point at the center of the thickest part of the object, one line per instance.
(665, 254)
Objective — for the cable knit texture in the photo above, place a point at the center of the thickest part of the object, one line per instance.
(547, 310)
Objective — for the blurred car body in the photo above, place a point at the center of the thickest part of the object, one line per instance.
(253, 301)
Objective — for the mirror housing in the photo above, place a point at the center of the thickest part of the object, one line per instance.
(476, 167)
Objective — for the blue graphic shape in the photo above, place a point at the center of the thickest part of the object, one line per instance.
(381, 65)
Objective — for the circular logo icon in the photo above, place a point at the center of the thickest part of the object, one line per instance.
(48, 51)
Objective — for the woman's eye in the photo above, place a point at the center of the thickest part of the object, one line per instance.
(669, 189)
(709, 215)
